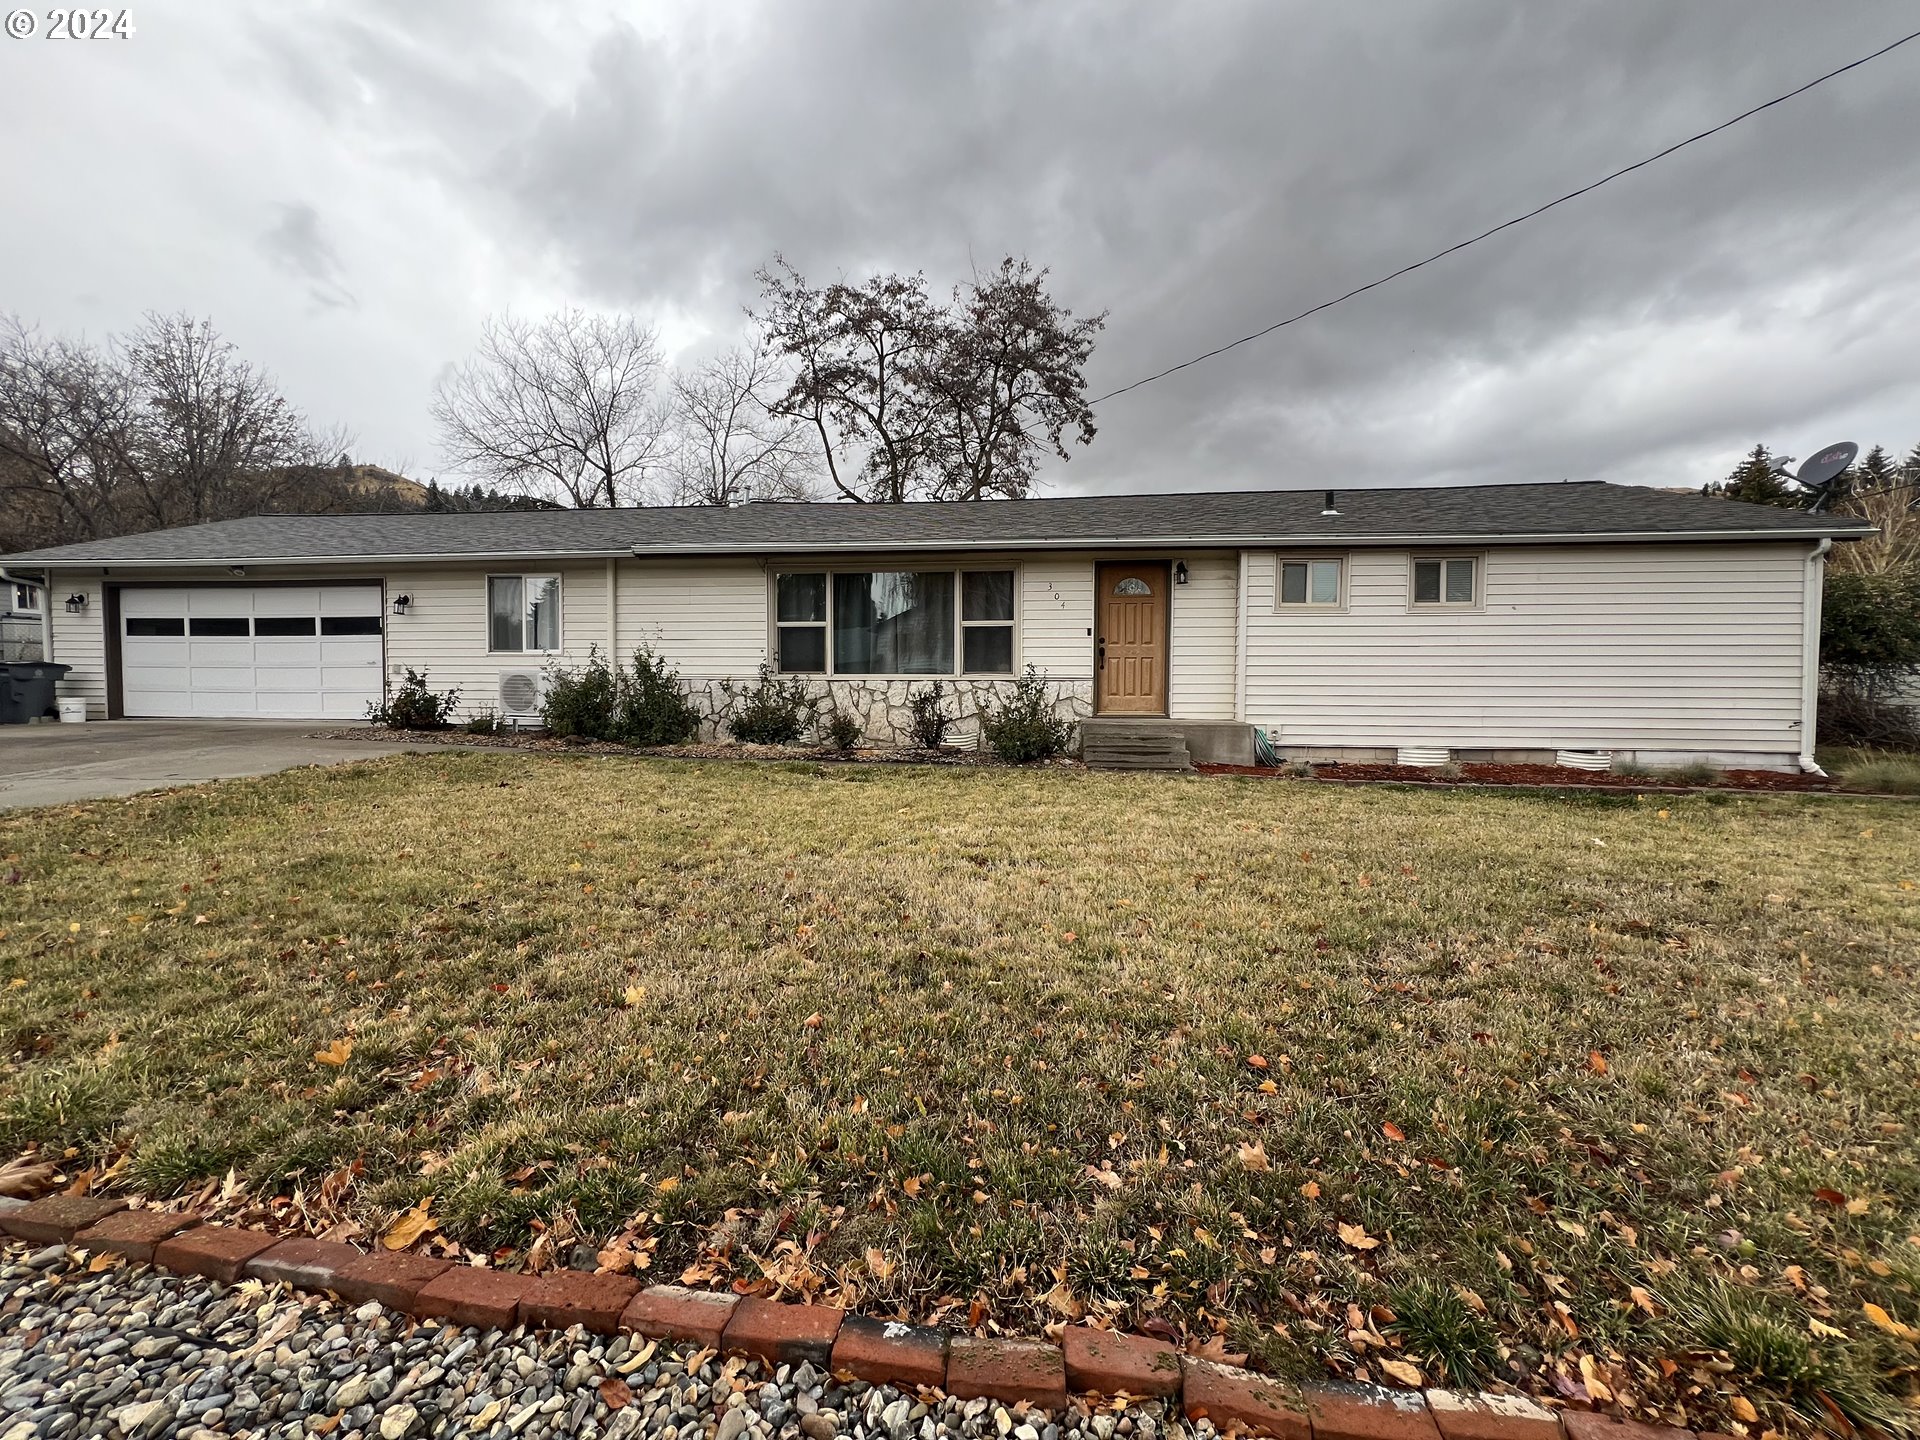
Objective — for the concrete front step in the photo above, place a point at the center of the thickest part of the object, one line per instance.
(1228, 742)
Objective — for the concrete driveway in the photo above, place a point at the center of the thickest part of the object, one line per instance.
(58, 764)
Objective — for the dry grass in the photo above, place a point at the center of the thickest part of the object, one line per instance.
(1024, 1044)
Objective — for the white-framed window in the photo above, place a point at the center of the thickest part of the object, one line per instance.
(523, 614)
(1445, 582)
(1310, 582)
(26, 598)
(894, 622)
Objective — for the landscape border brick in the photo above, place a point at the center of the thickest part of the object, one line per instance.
(673, 1312)
(1007, 1370)
(1233, 1398)
(217, 1252)
(468, 1295)
(1109, 1363)
(56, 1219)
(783, 1334)
(133, 1233)
(891, 1352)
(1010, 1370)
(561, 1298)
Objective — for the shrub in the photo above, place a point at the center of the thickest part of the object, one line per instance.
(930, 721)
(1864, 710)
(483, 722)
(651, 708)
(1025, 728)
(580, 703)
(844, 731)
(774, 712)
(412, 706)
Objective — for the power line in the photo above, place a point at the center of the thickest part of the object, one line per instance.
(1516, 220)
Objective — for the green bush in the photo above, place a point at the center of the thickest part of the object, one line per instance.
(412, 706)
(774, 712)
(930, 721)
(1025, 729)
(652, 708)
(844, 731)
(580, 703)
(483, 722)
(643, 705)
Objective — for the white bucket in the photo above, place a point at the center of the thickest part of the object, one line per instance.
(72, 712)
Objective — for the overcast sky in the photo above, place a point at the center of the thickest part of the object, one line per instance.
(346, 189)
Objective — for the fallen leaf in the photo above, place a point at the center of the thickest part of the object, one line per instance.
(1596, 1062)
(1743, 1409)
(1887, 1323)
(335, 1054)
(1355, 1237)
(1311, 1189)
(1393, 1132)
(813, 1021)
(879, 1266)
(1254, 1156)
(1257, 1062)
(410, 1226)
(635, 994)
(1832, 1198)
(1405, 1371)
(615, 1393)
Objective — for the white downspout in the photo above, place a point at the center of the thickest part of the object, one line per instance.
(1240, 645)
(1810, 655)
(613, 612)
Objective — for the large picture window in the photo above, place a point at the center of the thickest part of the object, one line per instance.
(523, 614)
(894, 622)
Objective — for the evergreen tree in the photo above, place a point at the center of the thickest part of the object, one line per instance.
(1755, 481)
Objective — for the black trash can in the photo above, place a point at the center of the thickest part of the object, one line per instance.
(26, 689)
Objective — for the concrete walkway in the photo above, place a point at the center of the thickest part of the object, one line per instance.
(53, 764)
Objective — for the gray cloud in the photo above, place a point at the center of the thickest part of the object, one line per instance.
(298, 244)
(1196, 170)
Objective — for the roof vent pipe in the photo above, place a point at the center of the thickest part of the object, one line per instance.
(1327, 508)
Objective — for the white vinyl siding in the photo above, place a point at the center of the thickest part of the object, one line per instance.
(1200, 673)
(1056, 617)
(1685, 647)
(80, 641)
(707, 619)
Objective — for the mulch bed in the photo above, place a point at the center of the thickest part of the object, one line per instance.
(541, 742)
(1557, 776)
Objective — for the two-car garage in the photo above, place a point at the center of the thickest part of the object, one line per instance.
(297, 652)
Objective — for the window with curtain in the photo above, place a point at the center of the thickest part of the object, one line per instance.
(800, 622)
(523, 614)
(893, 622)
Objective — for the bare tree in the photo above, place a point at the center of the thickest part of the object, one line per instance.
(856, 352)
(567, 406)
(1006, 379)
(910, 399)
(167, 426)
(730, 445)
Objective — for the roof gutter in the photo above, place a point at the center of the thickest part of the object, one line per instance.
(1096, 542)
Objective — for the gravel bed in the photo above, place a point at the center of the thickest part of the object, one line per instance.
(140, 1353)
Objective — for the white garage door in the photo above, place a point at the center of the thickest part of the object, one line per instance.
(295, 652)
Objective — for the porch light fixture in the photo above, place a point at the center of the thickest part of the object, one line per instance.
(1179, 572)
(400, 604)
(76, 602)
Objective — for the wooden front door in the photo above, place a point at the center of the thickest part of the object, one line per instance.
(1130, 649)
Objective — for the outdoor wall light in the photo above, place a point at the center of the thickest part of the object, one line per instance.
(1179, 572)
(76, 602)
(400, 604)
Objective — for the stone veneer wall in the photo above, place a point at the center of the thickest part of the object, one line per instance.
(881, 705)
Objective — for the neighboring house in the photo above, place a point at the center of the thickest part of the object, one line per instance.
(20, 621)
(1493, 621)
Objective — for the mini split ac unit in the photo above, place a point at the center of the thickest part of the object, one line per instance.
(521, 694)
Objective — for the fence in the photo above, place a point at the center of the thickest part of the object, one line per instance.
(20, 639)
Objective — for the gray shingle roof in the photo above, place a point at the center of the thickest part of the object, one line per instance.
(1580, 510)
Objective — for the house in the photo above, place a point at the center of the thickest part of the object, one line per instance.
(20, 620)
(1502, 622)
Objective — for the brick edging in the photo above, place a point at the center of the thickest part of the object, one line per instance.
(1035, 1372)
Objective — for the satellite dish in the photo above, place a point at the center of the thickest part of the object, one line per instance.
(1826, 465)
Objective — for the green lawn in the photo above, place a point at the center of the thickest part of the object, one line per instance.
(1552, 1091)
